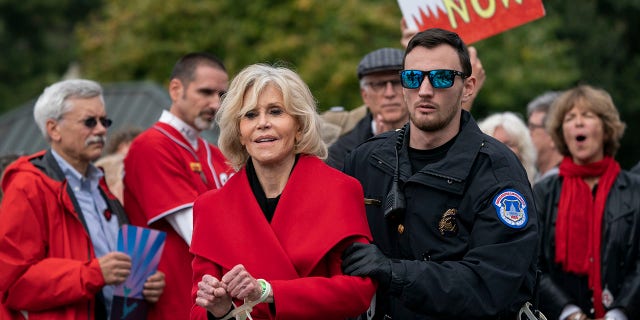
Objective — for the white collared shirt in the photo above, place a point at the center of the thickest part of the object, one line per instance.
(187, 131)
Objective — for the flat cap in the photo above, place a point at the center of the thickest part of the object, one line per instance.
(385, 59)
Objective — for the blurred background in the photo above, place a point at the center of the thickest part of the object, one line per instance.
(595, 42)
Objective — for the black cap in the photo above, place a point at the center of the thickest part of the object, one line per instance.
(385, 59)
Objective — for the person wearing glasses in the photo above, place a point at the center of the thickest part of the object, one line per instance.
(58, 257)
(589, 214)
(169, 165)
(548, 157)
(381, 92)
(450, 208)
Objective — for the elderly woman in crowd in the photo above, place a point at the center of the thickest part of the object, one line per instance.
(272, 237)
(509, 129)
(590, 215)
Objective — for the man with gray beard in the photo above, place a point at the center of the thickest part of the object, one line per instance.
(169, 165)
(60, 222)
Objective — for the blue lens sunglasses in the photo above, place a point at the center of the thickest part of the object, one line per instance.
(439, 79)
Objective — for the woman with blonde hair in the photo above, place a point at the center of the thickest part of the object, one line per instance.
(271, 239)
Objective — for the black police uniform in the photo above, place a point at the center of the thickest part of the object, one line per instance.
(466, 245)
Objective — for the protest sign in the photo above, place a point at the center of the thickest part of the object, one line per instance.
(473, 20)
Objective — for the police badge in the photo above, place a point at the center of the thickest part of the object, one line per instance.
(511, 208)
(448, 226)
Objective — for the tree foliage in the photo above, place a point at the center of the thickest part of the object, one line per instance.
(36, 38)
(604, 37)
(322, 40)
(590, 41)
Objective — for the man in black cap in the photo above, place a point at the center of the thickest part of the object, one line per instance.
(381, 92)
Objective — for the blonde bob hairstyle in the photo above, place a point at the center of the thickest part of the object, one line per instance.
(298, 102)
(592, 99)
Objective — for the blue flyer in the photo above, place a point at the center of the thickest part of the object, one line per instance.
(144, 246)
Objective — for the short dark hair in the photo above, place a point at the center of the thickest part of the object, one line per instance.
(434, 37)
(185, 68)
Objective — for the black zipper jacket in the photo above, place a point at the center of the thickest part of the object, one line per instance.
(466, 245)
(620, 250)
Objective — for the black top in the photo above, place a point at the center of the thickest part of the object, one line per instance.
(420, 158)
(268, 205)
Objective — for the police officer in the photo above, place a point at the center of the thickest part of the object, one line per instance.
(450, 208)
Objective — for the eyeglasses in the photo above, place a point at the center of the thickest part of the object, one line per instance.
(439, 79)
(93, 122)
(533, 126)
(378, 86)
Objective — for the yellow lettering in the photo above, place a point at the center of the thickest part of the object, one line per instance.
(505, 3)
(485, 13)
(458, 6)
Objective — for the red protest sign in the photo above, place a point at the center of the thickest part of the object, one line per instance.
(473, 20)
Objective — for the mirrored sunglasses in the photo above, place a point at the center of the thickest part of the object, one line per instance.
(439, 79)
(93, 122)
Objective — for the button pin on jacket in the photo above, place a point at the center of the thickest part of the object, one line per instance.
(195, 166)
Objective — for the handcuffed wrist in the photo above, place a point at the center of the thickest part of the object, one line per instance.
(265, 290)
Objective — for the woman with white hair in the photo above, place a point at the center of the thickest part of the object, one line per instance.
(273, 236)
(510, 129)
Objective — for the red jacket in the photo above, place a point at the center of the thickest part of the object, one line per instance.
(48, 268)
(320, 212)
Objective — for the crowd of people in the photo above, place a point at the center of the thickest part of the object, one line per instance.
(410, 209)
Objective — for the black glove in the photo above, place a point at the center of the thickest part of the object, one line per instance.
(366, 260)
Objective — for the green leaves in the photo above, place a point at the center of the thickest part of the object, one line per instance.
(592, 41)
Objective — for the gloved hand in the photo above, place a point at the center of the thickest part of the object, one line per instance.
(366, 260)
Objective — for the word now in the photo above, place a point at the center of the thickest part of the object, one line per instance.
(460, 7)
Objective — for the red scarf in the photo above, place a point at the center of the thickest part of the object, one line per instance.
(579, 220)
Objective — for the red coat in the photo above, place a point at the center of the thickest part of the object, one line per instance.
(47, 263)
(320, 212)
(164, 174)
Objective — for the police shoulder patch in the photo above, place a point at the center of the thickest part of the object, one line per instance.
(511, 208)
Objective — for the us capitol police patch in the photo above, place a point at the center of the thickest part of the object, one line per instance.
(511, 208)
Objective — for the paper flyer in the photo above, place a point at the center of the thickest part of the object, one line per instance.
(144, 246)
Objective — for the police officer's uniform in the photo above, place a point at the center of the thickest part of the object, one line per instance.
(466, 245)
